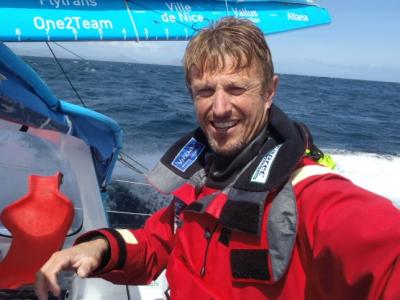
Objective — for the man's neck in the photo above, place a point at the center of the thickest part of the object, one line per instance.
(223, 169)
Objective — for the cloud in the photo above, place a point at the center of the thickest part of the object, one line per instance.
(168, 53)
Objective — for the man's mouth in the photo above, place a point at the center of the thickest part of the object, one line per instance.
(224, 125)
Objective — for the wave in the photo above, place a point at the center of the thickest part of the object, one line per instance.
(374, 172)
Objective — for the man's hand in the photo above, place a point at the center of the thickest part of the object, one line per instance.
(83, 258)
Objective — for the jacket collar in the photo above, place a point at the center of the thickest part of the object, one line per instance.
(248, 190)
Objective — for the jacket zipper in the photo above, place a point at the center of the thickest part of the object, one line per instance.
(207, 235)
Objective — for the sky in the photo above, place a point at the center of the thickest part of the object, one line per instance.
(362, 42)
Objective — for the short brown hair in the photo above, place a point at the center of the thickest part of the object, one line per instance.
(239, 39)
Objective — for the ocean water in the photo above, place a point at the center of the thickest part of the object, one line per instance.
(357, 122)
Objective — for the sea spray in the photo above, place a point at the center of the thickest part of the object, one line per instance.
(377, 173)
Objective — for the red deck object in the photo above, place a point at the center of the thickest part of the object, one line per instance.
(39, 222)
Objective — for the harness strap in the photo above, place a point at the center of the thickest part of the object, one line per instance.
(249, 264)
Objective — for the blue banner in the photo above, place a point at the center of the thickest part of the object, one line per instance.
(69, 20)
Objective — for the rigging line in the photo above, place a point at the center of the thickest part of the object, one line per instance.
(132, 21)
(121, 159)
(127, 213)
(69, 51)
(132, 182)
(66, 75)
(128, 293)
(135, 161)
(121, 153)
(130, 166)
(73, 53)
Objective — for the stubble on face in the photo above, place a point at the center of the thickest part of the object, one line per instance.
(232, 107)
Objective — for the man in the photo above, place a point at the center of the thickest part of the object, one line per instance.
(252, 217)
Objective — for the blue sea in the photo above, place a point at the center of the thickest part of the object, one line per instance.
(357, 122)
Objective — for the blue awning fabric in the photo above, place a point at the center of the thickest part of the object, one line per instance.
(27, 100)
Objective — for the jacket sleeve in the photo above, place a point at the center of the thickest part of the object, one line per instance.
(136, 256)
(349, 239)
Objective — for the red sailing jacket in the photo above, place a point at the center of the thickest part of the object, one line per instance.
(347, 247)
(317, 236)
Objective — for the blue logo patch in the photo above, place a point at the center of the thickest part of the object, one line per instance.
(188, 155)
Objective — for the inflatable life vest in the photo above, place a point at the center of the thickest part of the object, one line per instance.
(240, 205)
(39, 222)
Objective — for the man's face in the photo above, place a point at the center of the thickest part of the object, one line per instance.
(231, 107)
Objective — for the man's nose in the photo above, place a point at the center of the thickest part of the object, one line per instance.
(222, 105)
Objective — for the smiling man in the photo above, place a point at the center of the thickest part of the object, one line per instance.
(232, 107)
(232, 86)
(252, 216)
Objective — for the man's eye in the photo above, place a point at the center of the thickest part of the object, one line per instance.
(207, 92)
(236, 90)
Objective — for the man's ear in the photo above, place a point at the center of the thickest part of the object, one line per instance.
(270, 90)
